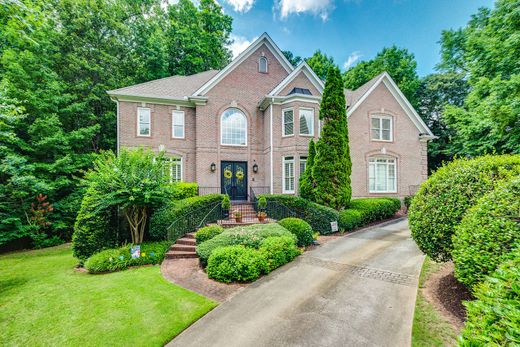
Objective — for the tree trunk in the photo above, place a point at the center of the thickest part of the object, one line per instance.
(136, 216)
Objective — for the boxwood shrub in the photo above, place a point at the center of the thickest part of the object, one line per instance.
(300, 228)
(444, 198)
(278, 250)
(318, 216)
(494, 315)
(118, 259)
(183, 190)
(367, 210)
(487, 233)
(188, 212)
(207, 233)
(236, 263)
(249, 236)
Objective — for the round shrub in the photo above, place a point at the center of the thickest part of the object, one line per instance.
(107, 261)
(487, 233)
(300, 228)
(442, 200)
(236, 263)
(494, 315)
(278, 250)
(207, 233)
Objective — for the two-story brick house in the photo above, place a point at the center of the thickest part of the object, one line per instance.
(249, 125)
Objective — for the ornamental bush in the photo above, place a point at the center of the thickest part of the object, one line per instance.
(182, 190)
(249, 236)
(207, 233)
(278, 250)
(300, 228)
(494, 315)
(367, 210)
(442, 201)
(236, 263)
(318, 216)
(188, 213)
(487, 233)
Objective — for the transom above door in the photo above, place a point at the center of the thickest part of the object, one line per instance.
(233, 179)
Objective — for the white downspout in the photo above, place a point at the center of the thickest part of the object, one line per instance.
(117, 127)
(271, 145)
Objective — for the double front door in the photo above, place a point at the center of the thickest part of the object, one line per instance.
(233, 179)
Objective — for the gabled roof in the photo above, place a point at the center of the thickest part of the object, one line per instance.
(263, 39)
(304, 68)
(359, 95)
(169, 88)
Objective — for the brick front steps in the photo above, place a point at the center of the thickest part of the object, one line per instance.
(183, 248)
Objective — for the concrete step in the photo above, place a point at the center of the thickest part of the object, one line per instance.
(186, 241)
(180, 254)
(189, 235)
(183, 248)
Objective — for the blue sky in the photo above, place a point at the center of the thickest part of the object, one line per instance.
(351, 30)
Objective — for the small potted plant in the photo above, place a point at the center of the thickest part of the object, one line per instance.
(262, 203)
(226, 205)
(261, 216)
(238, 216)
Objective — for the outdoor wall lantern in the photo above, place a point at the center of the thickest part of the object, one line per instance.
(255, 168)
(213, 167)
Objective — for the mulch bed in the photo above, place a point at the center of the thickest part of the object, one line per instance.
(446, 294)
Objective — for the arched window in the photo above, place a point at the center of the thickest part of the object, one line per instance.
(262, 65)
(233, 128)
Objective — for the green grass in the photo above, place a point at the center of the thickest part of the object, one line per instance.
(45, 302)
(429, 327)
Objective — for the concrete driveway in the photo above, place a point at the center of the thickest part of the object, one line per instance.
(358, 290)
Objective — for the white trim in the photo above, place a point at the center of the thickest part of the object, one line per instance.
(308, 72)
(221, 133)
(139, 123)
(187, 102)
(264, 38)
(283, 121)
(271, 146)
(311, 134)
(284, 161)
(382, 116)
(401, 99)
(282, 100)
(183, 124)
(118, 140)
(394, 160)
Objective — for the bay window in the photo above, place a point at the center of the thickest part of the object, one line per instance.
(288, 122)
(288, 175)
(306, 121)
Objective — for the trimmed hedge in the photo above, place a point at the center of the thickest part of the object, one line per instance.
(494, 317)
(236, 263)
(249, 236)
(278, 250)
(442, 201)
(487, 233)
(118, 259)
(207, 233)
(192, 209)
(367, 210)
(300, 228)
(183, 190)
(318, 216)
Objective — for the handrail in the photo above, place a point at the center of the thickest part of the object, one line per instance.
(203, 219)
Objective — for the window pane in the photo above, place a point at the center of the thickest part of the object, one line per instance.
(288, 174)
(306, 122)
(386, 123)
(386, 135)
(233, 127)
(375, 134)
(303, 165)
(262, 66)
(375, 123)
(144, 121)
(288, 122)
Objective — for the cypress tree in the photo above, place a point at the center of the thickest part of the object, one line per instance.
(306, 180)
(332, 166)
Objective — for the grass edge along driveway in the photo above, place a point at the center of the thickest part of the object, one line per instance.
(45, 302)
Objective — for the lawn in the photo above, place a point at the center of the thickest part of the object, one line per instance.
(44, 301)
(429, 327)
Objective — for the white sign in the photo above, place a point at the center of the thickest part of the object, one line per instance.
(334, 226)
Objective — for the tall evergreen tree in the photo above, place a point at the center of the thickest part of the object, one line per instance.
(306, 180)
(332, 166)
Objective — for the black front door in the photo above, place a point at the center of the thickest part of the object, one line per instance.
(234, 179)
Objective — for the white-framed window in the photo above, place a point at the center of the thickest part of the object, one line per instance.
(175, 169)
(303, 165)
(381, 128)
(382, 175)
(144, 121)
(306, 121)
(288, 122)
(262, 65)
(233, 128)
(288, 175)
(178, 124)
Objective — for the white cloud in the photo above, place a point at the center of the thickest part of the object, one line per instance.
(241, 5)
(320, 8)
(352, 58)
(240, 43)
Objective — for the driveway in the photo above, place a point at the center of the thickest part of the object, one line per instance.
(357, 290)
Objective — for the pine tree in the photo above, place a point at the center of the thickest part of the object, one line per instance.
(306, 180)
(332, 166)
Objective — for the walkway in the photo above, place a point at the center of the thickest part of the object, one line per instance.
(358, 290)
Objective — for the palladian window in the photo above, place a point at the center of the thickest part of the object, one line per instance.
(233, 128)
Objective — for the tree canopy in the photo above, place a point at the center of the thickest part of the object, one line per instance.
(320, 63)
